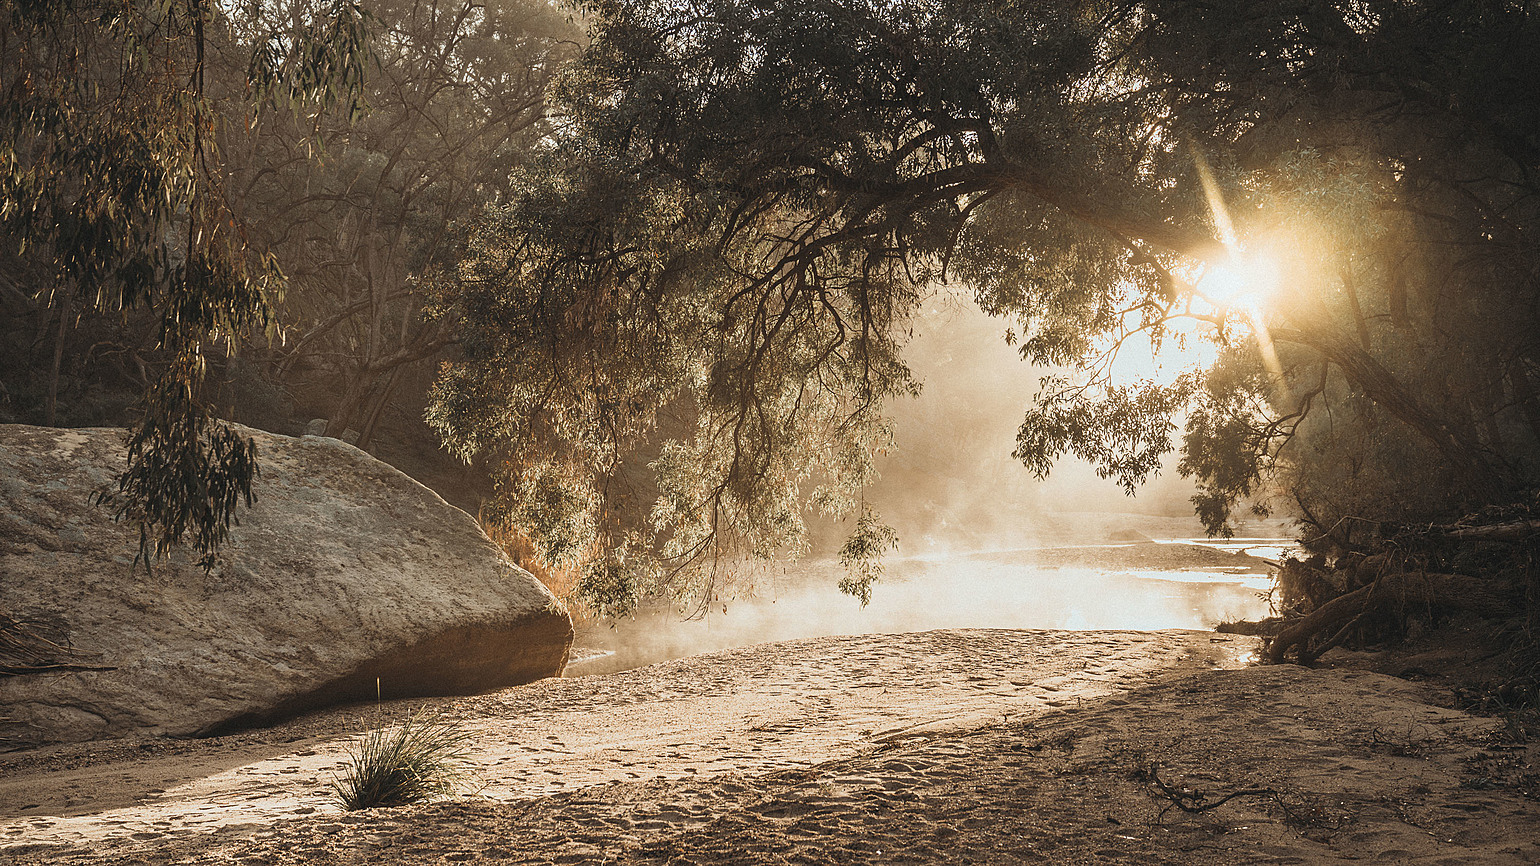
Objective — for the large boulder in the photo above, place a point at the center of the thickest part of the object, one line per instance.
(346, 573)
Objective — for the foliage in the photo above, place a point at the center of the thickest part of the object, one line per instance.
(455, 98)
(562, 582)
(414, 761)
(862, 555)
(186, 473)
(623, 340)
(1400, 387)
(111, 192)
(709, 271)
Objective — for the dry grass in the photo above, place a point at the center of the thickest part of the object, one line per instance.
(415, 761)
(560, 580)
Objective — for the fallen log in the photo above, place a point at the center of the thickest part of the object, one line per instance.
(1337, 617)
(1518, 531)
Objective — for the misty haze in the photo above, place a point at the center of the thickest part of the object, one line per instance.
(981, 542)
(726, 432)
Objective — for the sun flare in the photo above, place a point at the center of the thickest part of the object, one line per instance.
(1243, 282)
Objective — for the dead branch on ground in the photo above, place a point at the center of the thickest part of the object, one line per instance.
(32, 647)
(1198, 801)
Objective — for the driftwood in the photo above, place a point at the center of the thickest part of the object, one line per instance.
(1338, 617)
(1519, 531)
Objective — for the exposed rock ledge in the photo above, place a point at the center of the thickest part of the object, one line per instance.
(345, 572)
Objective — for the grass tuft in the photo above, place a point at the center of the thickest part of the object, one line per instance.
(412, 762)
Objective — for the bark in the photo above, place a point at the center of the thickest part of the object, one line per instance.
(1329, 624)
(51, 401)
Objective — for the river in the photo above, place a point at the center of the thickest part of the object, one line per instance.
(1145, 584)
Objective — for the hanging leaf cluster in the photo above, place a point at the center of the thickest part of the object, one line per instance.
(111, 189)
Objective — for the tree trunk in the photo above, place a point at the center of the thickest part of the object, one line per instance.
(366, 435)
(1331, 622)
(1453, 441)
(352, 400)
(51, 402)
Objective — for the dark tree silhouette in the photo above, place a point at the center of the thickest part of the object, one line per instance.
(701, 289)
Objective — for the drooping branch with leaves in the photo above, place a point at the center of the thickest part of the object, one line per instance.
(112, 192)
(690, 311)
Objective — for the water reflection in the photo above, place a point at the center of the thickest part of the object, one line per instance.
(1153, 585)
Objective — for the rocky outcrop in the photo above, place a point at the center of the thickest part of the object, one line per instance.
(344, 574)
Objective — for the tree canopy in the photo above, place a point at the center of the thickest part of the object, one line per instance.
(112, 198)
(682, 325)
(675, 276)
(453, 100)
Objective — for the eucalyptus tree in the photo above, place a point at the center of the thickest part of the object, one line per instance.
(697, 297)
(454, 99)
(113, 196)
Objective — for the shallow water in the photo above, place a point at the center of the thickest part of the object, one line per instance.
(1174, 583)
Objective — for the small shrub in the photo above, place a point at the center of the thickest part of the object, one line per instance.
(412, 762)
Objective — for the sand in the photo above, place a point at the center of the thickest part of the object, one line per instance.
(973, 745)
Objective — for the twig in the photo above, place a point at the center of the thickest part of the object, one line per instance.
(1194, 801)
(23, 670)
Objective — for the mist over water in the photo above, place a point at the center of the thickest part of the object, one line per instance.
(983, 544)
(993, 589)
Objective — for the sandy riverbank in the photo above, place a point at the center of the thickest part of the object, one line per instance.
(950, 746)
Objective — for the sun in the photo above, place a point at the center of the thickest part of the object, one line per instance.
(1242, 282)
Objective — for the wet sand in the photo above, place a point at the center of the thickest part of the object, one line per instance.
(981, 745)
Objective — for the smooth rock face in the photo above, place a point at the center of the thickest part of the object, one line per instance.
(345, 572)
